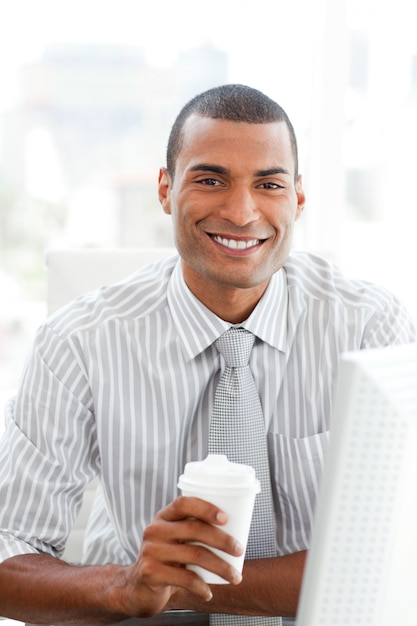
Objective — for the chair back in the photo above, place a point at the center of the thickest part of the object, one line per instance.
(72, 272)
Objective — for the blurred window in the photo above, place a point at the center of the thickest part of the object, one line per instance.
(90, 90)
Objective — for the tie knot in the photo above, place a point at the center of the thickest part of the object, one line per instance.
(235, 345)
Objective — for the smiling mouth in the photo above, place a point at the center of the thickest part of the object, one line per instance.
(236, 244)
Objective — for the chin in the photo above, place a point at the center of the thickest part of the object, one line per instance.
(233, 280)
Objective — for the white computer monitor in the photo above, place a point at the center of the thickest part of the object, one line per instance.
(362, 565)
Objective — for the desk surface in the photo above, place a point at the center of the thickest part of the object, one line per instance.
(171, 618)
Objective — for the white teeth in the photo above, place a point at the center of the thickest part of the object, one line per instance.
(234, 244)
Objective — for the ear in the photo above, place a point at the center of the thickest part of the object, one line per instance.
(300, 196)
(164, 187)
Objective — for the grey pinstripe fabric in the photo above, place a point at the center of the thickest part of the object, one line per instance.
(121, 384)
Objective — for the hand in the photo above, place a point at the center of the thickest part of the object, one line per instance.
(160, 569)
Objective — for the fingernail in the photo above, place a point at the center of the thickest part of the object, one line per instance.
(239, 549)
(221, 517)
(237, 578)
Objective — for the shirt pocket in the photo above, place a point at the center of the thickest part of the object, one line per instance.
(296, 469)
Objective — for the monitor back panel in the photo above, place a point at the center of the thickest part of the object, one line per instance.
(362, 565)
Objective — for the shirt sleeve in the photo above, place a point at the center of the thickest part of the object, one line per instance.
(391, 324)
(48, 453)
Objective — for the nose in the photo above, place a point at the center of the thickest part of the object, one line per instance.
(240, 206)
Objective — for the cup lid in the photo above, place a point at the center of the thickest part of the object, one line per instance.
(218, 472)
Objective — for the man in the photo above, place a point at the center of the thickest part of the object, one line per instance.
(121, 385)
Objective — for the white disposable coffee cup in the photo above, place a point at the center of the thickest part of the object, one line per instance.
(230, 486)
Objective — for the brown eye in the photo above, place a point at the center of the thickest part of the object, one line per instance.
(209, 181)
(271, 185)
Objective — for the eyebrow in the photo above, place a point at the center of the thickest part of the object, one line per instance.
(207, 167)
(219, 169)
(271, 171)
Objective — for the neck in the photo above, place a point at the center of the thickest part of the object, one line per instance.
(231, 305)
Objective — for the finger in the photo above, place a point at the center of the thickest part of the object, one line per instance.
(188, 506)
(177, 557)
(192, 530)
(168, 575)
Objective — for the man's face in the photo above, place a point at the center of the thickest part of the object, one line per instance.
(234, 202)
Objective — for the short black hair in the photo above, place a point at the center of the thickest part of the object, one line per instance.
(234, 102)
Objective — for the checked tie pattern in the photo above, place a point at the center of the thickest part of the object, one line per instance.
(237, 429)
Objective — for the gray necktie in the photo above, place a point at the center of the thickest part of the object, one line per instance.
(237, 429)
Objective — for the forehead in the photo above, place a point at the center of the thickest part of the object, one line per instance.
(228, 143)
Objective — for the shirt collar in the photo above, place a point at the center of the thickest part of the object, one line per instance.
(268, 320)
(198, 327)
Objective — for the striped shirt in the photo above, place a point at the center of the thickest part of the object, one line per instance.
(120, 384)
